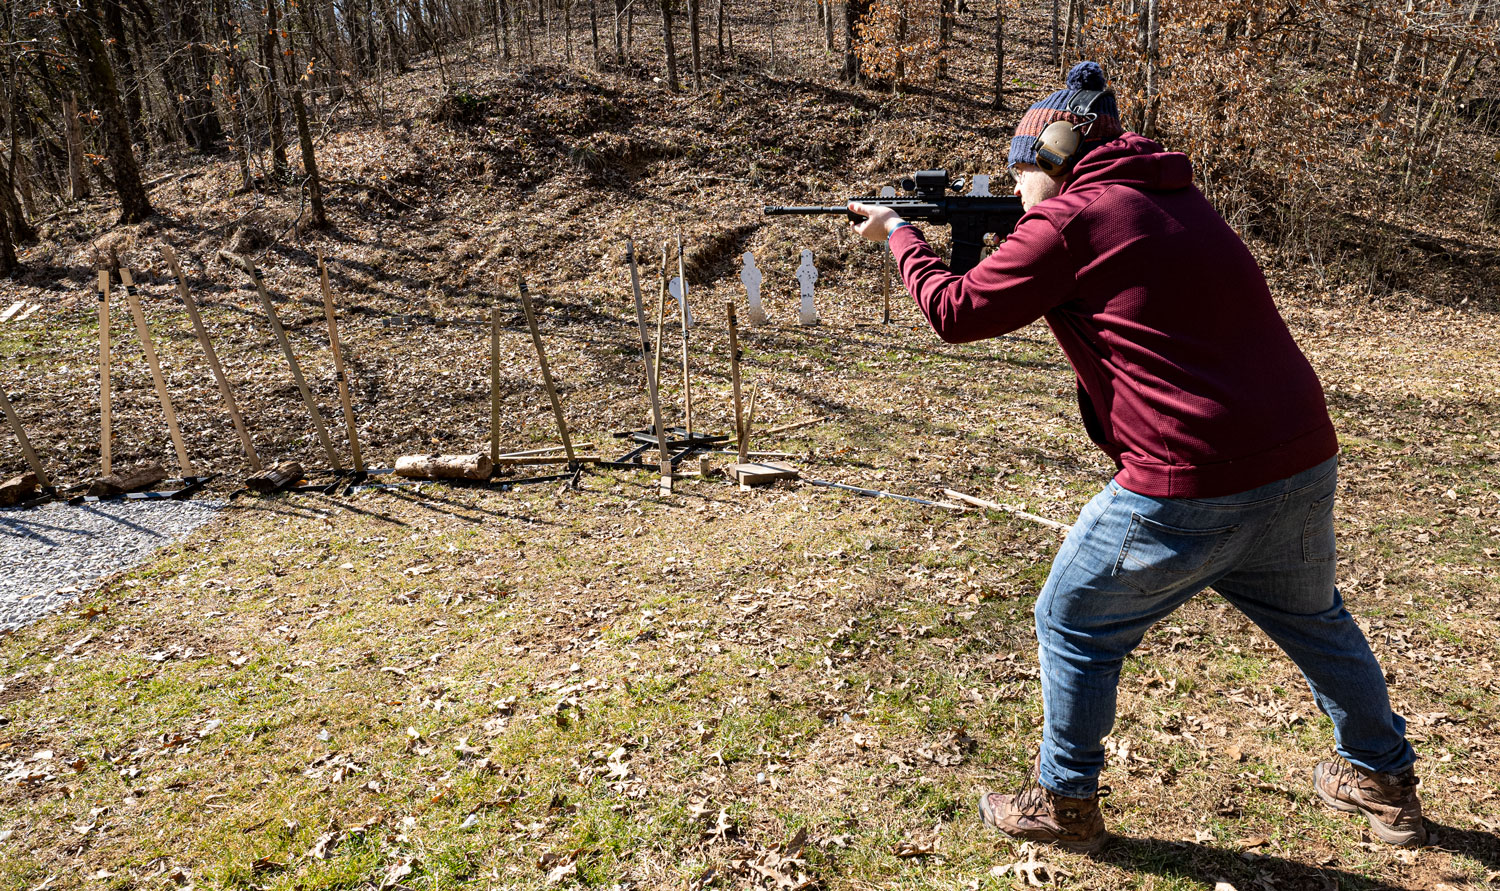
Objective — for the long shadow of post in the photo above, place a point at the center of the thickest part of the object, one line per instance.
(1211, 865)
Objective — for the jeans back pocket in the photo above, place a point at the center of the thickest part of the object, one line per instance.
(1318, 544)
(1157, 558)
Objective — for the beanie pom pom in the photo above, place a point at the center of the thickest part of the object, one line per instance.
(1086, 76)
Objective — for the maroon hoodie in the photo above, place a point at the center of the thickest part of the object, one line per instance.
(1187, 375)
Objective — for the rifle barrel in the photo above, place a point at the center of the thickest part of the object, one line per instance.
(808, 211)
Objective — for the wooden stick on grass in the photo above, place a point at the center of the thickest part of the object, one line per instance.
(541, 358)
(992, 505)
(159, 382)
(338, 365)
(213, 358)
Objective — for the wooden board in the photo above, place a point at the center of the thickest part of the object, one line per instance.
(759, 473)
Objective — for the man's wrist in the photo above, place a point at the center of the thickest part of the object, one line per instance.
(899, 224)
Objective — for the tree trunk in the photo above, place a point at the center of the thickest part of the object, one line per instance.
(87, 43)
(78, 181)
(945, 34)
(620, 32)
(1153, 90)
(719, 24)
(594, 28)
(309, 163)
(270, 56)
(697, 52)
(8, 262)
(998, 102)
(671, 49)
(827, 7)
(1056, 58)
(854, 10)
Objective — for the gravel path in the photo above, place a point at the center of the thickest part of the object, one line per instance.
(50, 556)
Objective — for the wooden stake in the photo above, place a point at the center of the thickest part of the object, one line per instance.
(291, 359)
(734, 375)
(659, 430)
(142, 331)
(338, 365)
(687, 381)
(191, 306)
(494, 383)
(661, 312)
(885, 283)
(104, 425)
(750, 415)
(541, 358)
(15, 426)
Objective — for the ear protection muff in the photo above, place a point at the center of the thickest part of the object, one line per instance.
(1057, 147)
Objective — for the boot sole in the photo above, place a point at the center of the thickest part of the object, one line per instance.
(1401, 838)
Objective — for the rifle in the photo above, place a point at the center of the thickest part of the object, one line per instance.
(977, 222)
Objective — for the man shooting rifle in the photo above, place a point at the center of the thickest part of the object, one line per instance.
(1227, 460)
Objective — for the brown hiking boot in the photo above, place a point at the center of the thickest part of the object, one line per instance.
(1388, 800)
(1073, 824)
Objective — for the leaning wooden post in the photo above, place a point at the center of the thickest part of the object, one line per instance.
(213, 358)
(734, 375)
(286, 348)
(495, 384)
(15, 425)
(661, 311)
(541, 358)
(687, 382)
(885, 283)
(659, 430)
(338, 365)
(144, 333)
(105, 461)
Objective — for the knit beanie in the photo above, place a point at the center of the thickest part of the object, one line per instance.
(1083, 76)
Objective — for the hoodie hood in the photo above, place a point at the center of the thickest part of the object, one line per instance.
(1133, 160)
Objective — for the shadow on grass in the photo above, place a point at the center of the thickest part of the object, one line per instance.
(1210, 865)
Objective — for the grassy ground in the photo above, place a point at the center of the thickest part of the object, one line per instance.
(782, 688)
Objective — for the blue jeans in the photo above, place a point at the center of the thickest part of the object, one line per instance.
(1132, 559)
